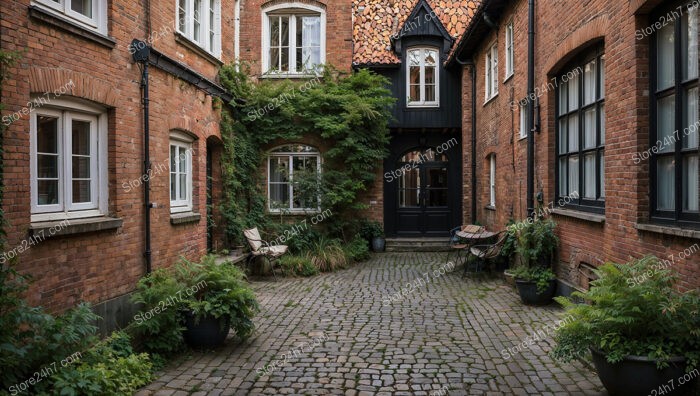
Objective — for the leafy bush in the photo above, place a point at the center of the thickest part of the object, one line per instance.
(537, 241)
(542, 276)
(205, 289)
(370, 230)
(109, 368)
(297, 265)
(327, 254)
(357, 249)
(632, 309)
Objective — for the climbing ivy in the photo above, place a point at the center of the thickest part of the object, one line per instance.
(348, 113)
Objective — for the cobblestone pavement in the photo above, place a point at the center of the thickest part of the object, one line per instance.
(445, 337)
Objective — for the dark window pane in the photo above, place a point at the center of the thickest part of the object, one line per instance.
(81, 137)
(47, 166)
(81, 191)
(81, 167)
(47, 134)
(47, 192)
(83, 7)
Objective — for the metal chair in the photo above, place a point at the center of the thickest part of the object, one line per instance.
(457, 244)
(484, 254)
(269, 253)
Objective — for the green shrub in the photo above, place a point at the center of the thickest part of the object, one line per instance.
(109, 368)
(542, 276)
(632, 309)
(297, 265)
(370, 230)
(357, 249)
(205, 289)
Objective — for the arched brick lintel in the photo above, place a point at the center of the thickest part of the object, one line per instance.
(593, 30)
(69, 82)
(271, 3)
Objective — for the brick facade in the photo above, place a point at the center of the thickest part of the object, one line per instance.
(563, 30)
(102, 265)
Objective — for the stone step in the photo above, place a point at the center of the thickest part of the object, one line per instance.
(417, 244)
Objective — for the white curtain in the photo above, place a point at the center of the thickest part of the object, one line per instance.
(311, 41)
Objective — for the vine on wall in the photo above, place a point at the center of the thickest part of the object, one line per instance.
(348, 113)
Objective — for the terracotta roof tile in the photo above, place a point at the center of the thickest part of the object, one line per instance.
(380, 19)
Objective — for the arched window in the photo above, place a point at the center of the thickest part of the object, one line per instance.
(293, 175)
(180, 172)
(294, 39)
(422, 77)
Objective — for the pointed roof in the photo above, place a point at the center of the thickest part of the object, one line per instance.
(376, 21)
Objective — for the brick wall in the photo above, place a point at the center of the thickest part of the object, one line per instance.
(562, 30)
(99, 266)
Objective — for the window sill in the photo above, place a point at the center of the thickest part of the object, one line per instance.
(194, 47)
(489, 100)
(422, 106)
(510, 76)
(50, 18)
(75, 226)
(490, 207)
(667, 230)
(280, 76)
(576, 214)
(521, 138)
(184, 218)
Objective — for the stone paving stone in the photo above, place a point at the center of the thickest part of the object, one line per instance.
(449, 335)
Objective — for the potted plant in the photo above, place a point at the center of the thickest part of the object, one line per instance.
(374, 233)
(195, 302)
(536, 244)
(642, 332)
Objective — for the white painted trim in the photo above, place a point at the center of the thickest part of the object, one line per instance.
(237, 32)
(289, 183)
(265, 32)
(509, 64)
(181, 141)
(423, 103)
(203, 12)
(97, 23)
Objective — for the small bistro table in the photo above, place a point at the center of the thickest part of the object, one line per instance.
(473, 236)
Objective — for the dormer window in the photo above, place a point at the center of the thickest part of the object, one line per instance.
(422, 78)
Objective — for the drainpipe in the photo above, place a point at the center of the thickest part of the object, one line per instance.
(472, 69)
(530, 112)
(141, 56)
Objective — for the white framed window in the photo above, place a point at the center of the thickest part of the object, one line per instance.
(523, 120)
(492, 180)
(180, 173)
(491, 72)
(510, 51)
(422, 77)
(68, 161)
(200, 22)
(91, 14)
(294, 39)
(285, 194)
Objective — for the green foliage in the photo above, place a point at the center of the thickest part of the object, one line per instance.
(327, 254)
(632, 309)
(205, 289)
(297, 265)
(540, 275)
(109, 368)
(357, 249)
(511, 243)
(537, 241)
(348, 114)
(370, 230)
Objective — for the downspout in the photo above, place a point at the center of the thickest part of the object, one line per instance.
(472, 69)
(141, 56)
(530, 112)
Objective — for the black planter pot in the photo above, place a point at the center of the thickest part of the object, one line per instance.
(530, 296)
(209, 332)
(638, 375)
(378, 244)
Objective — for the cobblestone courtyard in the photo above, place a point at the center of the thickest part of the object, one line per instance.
(445, 337)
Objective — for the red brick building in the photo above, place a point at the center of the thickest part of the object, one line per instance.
(74, 146)
(613, 84)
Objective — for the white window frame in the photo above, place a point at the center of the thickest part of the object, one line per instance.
(491, 73)
(205, 27)
(492, 180)
(510, 51)
(290, 208)
(98, 22)
(184, 143)
(523, 120)
(67, 111)
(423, 102)
(291, 10)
